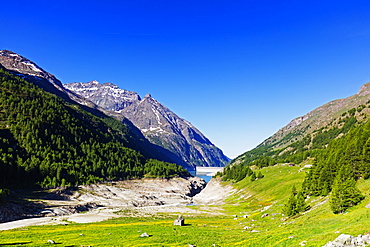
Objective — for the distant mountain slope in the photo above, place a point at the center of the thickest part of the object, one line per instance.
(304, 129)
(333, 140)
(158, 123)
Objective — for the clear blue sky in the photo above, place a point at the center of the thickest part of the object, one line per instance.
(237, 70)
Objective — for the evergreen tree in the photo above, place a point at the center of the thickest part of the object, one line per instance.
(295, 204)
(290, 207)
(344, 194)
(301, 205)
(253, 176)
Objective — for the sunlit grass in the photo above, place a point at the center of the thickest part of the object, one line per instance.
(268, 195)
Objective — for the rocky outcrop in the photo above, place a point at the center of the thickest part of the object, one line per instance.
(345, 240)
(159, 124)
(142, 192)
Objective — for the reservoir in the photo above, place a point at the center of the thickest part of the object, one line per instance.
(207, 172)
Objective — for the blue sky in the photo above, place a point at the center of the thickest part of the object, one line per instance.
(237, 70)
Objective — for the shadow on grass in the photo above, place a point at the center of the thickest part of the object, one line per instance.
(18, 243)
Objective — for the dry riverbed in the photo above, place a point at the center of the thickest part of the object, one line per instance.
(127, 198)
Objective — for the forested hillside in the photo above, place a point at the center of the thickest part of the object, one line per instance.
(338, 152)
(46, 141)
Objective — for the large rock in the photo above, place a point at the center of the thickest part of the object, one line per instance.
(345, 240)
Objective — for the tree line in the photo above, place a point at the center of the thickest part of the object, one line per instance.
(48, 142)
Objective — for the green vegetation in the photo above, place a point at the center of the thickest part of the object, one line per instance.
(156, 168)
(316, 226)
(343, 143)
(344, 192)
(295, 204)
(45, 140)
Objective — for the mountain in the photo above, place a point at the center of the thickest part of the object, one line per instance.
(130, 136)
(316, 119)
(47, 141)
(307, 129)
(158, 123)
(25, 67)
(333, 140)
(30, 71)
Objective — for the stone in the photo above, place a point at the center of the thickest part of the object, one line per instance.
(303, 243)
(51, 241)
(144, 235)
(344, 240)
(264, 215)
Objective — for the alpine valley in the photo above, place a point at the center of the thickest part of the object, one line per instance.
(94, 147)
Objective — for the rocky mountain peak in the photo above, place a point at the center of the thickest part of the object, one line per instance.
(364, 90)
(159, 124)
(107, 95)
(19, 64)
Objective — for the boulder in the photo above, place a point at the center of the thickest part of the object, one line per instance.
(144, 235)
(345, 240)
(51, 241)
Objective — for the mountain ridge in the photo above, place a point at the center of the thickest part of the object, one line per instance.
(317, 118)
(157, 122)
(20, 67)
(186, 146)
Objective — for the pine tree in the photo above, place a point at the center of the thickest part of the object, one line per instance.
(290, 207)
(253, 176)
(295, 204)
(344, 194)
(300, 203)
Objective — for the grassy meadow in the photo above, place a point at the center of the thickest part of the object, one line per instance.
(265, 196)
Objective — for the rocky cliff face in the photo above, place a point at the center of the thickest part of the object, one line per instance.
(158, 123)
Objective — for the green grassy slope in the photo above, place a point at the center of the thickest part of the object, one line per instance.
(268, 195)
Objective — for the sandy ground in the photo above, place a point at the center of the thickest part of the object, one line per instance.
(135, 198)
(214, 193)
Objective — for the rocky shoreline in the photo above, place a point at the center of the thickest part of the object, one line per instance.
(121, 194)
